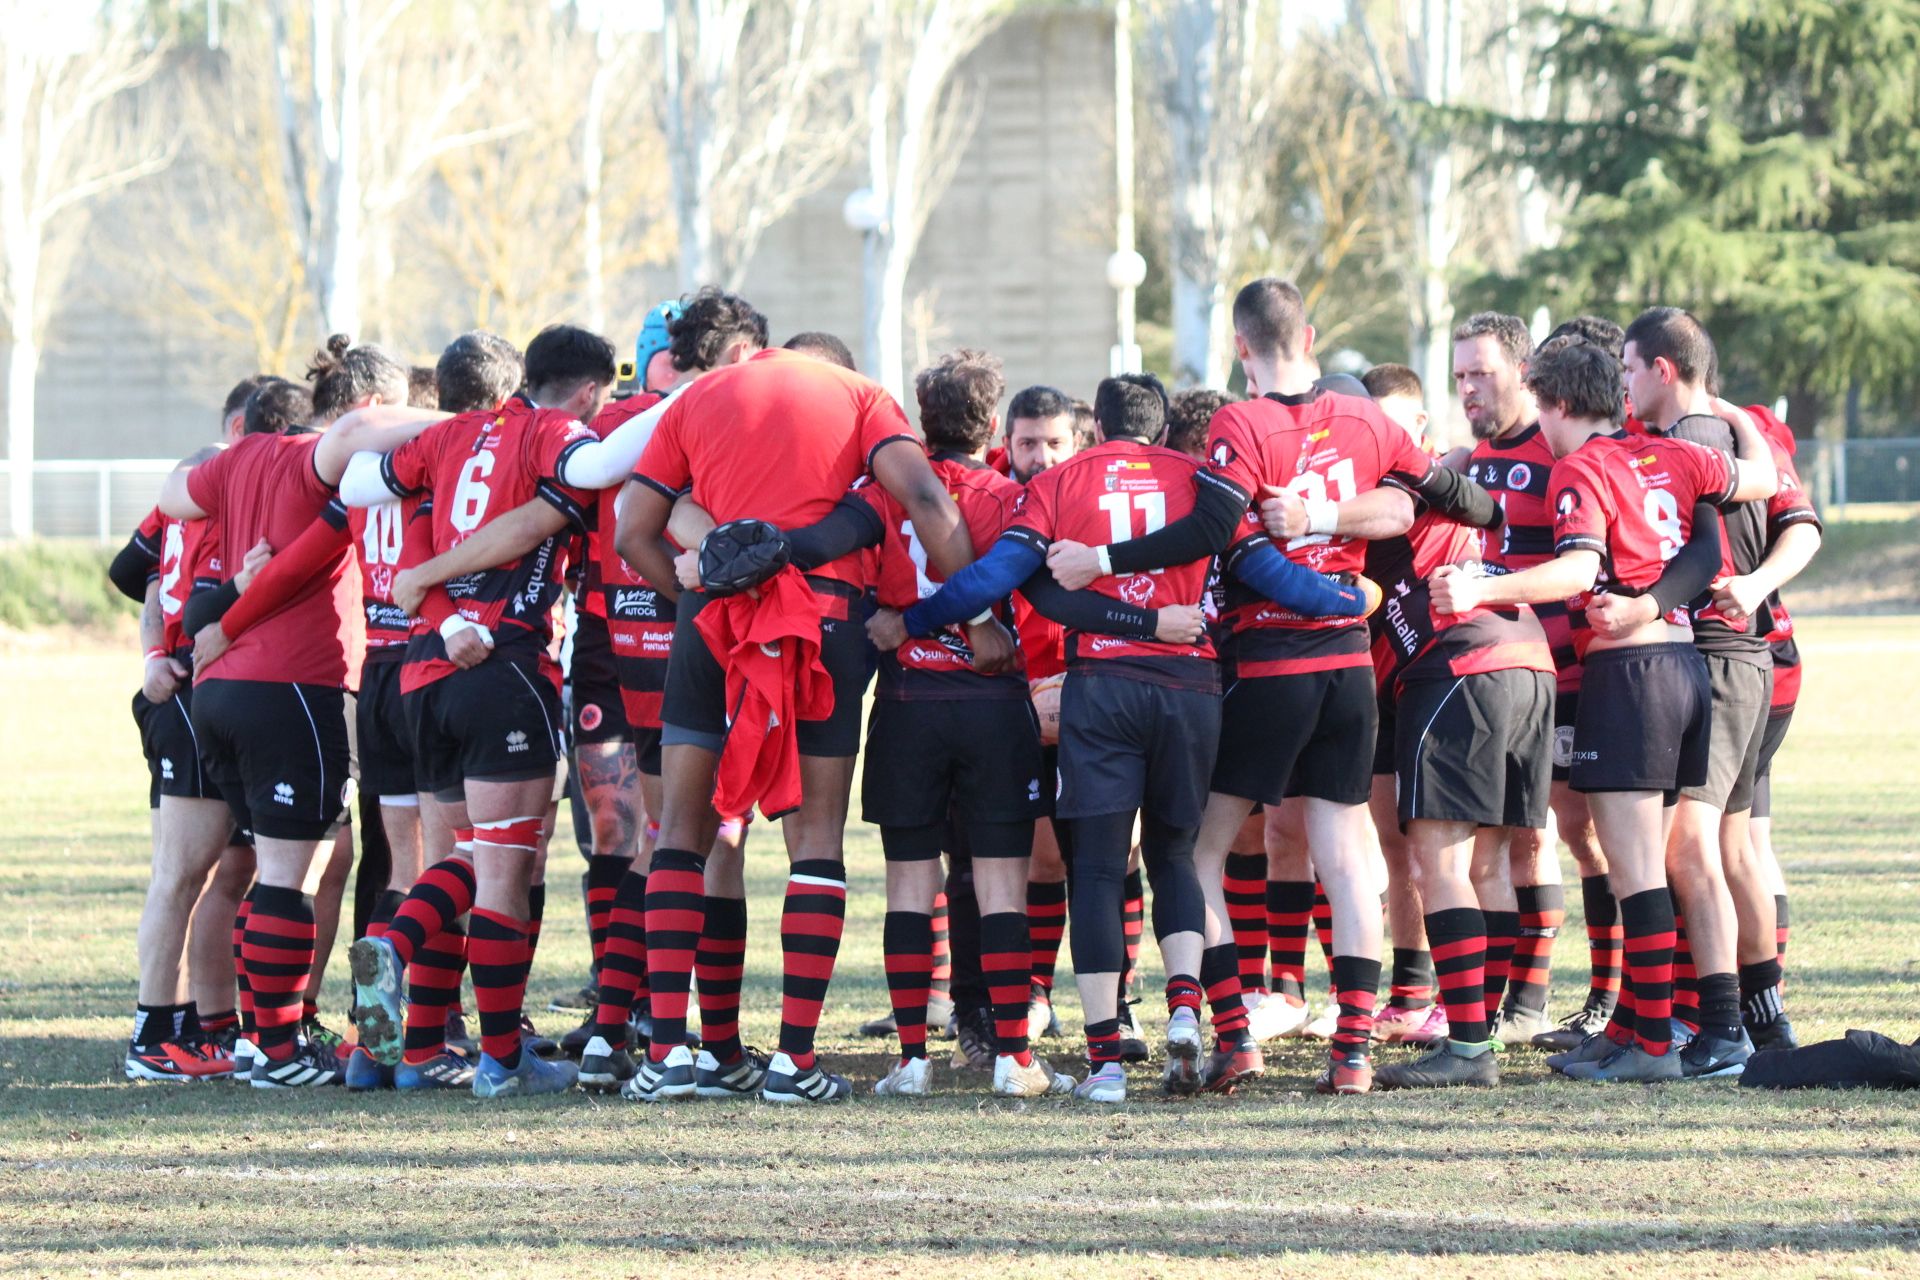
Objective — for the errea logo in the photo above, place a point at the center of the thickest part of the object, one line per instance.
(1033, 789)
(283, 793)
(517, 741)
(166, 769)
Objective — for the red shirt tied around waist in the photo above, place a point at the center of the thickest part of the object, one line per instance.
(1114, 492)
(265, 486)
(1324, 447)
(479, 466)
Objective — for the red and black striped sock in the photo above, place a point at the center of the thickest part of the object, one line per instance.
(433, 992)
(1133, 922)
(279, 957)
(942, 943)
(381, 916)
(1686, 978)
(1543, 908)
(1458, 937)
(243, 985)
(604, 874)
(720, 964)
(218, 1021)
(1046, 926)
(536, 912)
(1356, 986)
(1647, 917)
(498, 952)
(1503, 931)
(1603, 939)
(1184, 992)
(906, 941)
(623, 958)
(811, 922)
(1245, 883)
(1411, 986)
(1103, 1042)
(676, 915)
(1006, 966)
(1220, 974)
(1780, 929)
(1323, 929)
(442, 895)
(1289, 912)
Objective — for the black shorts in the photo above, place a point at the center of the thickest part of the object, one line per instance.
(599, 715)
(1566, 712)
(694, 708)
(173, 753)
(1742, 694)
(497, 722)
(1645, 716)
(1126, 744)
(1474, 749)
(978, 758)
(277, 752)
(1302, 735)
(383, 733)
(1383, 734)
(1771, 737)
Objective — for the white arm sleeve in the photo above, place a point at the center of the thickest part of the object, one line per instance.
(600, 464)
(362, 484)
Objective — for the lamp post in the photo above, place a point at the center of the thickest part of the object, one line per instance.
(1125, 268)
(865, 211)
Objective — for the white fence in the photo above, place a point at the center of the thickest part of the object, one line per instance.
(98, 498)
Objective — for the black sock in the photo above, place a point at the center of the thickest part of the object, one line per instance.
(1413, 979)
(186, 1020)
(1760, 993)
(1720, 1004)
(153, 1024)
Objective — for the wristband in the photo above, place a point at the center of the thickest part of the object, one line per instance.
(454, 625)
(1105, 560)
(1323, 514)
(156, 653)
(985, 615)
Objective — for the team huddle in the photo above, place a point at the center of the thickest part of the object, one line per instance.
(1270, 666)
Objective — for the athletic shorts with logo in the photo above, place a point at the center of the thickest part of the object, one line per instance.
(173, 754)
(978, 758)
(383, 733)
(1475, 748)
(1742, 692)
(497, 722)
(599, 715)
(1310, 734)
(1566, 712)
(1646, 713)
(694, 707)
(278, 753)
(1130, 744)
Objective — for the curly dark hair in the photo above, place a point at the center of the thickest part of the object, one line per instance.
(342, 375)
(711, 320)
(1578, 378)
(958, 394)
(1189, 414)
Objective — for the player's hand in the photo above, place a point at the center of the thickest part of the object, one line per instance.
(163, 679)
(1075, 565)
(1282, 512)
(993, 648)
(1454, 589)
(686, 569)
(1612, 615)
(410, 591)
(256, 560)
(210, 643)
(1739, 598)
(887, 630)
(468, 648)
(1179, 624)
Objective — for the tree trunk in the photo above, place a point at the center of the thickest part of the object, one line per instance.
(23, 371)
(593, 160)
(1196, 287)
(689, 162)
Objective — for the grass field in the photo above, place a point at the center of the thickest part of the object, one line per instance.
(1540, 1177)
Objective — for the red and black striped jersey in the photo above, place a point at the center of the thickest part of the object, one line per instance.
(477, 467)
(1514, 469)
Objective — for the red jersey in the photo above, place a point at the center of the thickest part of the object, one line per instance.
(378, 535)
(1113, 492)
(1417, 643)
(265, 486)
(940, 666)
(1514, 469)
(639, 619)
(173, 544)
(780, 437)
(1324, 447)
(479, 466)
(602, 570)
(1630, 499)
(1788, 506)
(1043, 642)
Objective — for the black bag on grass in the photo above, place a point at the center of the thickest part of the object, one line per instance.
(1864, 1060)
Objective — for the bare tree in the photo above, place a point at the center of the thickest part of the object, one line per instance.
(757, 114)
(68, 135)
(919, 117)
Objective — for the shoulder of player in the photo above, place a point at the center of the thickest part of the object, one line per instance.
(621, 411)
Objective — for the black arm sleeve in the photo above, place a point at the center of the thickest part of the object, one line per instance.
(1456, 497)
(208, 606)
(851, 526)
(1204, 531)
(1088, 610)
(130, 570)
(1693, 566)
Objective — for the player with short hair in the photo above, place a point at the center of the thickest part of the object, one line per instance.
(1623, 508)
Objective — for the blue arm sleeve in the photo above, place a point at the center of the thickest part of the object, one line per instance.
(991, 578)
(1259, 564)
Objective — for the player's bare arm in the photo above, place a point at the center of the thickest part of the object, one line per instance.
(163, 676)
(496, 542)
(1385, 512)
(644, 512)
(1740, 597)
(1458, 590)
(689, 523)
(376, 429)
(901, 468)
(1755, 475)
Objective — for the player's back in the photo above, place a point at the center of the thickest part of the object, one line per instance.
(986, 500)
(1630, 499)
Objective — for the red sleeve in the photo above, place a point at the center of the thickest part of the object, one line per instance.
(436, 608)
(1033, 510)
(1232, 453)
(1789, 504)
(204, 481)
(882, 421)
(310, 481)
(288, 571)
(409, 469)
(151, 527)
(664, 464)
(1400, 452)
(1579, 511)
(552, 438)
